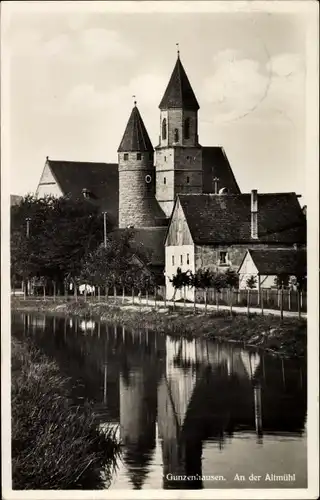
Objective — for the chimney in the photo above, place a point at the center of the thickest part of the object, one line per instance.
(254, 214)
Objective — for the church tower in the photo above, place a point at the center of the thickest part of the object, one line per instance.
(136, 175)
(179, 154)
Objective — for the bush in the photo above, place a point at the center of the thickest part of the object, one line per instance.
(54, 444)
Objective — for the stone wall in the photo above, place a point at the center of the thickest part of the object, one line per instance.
(175, 119)
(136, 190)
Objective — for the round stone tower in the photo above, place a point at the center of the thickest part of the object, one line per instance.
(136, 175)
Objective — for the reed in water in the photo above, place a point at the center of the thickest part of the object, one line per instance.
(55, 445)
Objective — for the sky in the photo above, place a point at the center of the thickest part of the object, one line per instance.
(73, 73)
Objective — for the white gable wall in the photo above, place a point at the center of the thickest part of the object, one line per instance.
(48, 186)
(248, 269)
(179, 252)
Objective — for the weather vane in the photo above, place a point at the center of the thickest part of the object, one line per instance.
(178, 51)
(135, 101)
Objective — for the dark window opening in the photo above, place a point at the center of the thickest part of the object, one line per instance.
(164, 180)
(176, 135)
(165, 158)
(188, 180)
(186, 131)
(181, 259)
(125, 156)
(188, 260)
(164, 129)
(173, 260)
(138, 156)
(223, 257)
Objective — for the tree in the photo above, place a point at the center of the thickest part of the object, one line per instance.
(60, 234)
(251, 284)
(180, 280)
(203, 279)
(232, 282)
(218, 283)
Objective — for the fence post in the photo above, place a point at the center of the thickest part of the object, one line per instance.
(261, 301)
(155, 297)
(298, 303)
(248, 302)
(281, 302)
(289, 299)
(132, 294)
(231, 292)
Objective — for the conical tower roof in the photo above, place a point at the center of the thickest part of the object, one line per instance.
(135, 137)
(179, 93)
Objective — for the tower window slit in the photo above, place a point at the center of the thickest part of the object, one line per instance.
(164, 180)
(125, 156)
(173, 260)
(188, 180)
(176, 135)
(181, 259)
(188, 259)
(138, 156)
(164, 129)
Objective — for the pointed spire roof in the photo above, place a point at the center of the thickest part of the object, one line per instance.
(179, 93)
(135, 137)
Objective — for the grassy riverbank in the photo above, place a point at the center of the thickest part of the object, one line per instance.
(54, 445)
(287, 337)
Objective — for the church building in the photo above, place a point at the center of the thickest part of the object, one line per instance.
(141, 191)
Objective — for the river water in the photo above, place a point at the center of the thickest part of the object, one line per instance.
(190, 413)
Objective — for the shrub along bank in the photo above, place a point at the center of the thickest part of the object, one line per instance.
(287, 337)
(54, 444)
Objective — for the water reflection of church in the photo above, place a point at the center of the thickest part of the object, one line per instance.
(172, 396)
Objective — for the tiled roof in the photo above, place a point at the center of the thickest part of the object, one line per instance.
(226, 218)
(135, 137)
(215, 164)
(179, 93)
(99, 179)
(290, 262)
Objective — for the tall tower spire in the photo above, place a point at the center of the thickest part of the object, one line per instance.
(136, 174)
(179, 154)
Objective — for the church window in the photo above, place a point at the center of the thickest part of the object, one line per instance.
(138, 156)
(186, 130)
(165, 158)
(125, 156)
(223, 258)
(164, 180)
(181, 260)
(188, 259)
(176, 135)
(188, 180)
(173, 260)
(164, 129)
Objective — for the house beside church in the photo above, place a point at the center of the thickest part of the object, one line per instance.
(270, 264)
(214, 231)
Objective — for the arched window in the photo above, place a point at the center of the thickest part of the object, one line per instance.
(176, 135)
(186, 130)
(164, 129)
